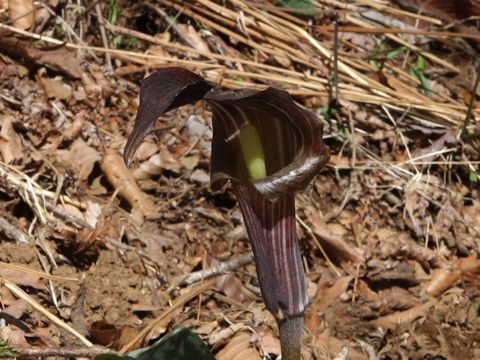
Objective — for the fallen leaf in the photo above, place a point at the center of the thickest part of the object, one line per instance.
(392, 321)
(76, 126)
(269, 343)
(22, 13)
(11, 147)
(81, 158)
(394, 299)
(146, 150)
(200, 176)
(330, 346)
(239, 348)
(328, 292)
(448, 275)
(122, 180)
(230, 285)
(148, 169)
(23, 279)
(59, 59)
(56, 88)
(111, 336)
(207, 328)
(13, 337)
(92, 213)
(192, 37)
(335, 244)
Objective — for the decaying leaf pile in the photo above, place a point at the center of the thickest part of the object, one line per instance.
(96, 255)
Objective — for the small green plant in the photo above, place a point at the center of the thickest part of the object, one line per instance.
(7, 351)
(268, 148)
(378, 57)
(473, 176)
(418, 71)
(112, 18)
(180, 344)
(300, 7)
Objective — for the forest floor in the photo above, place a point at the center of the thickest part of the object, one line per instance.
(93, 253)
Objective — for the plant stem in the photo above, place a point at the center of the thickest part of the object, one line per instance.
(291, 337)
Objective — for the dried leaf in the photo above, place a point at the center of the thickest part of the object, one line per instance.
(337, 246)
(447, 276)
(442, 279)
(394, 320)
(328, 293)
(230, 285)
(22, 13)
(11, 147)
(111, 336)
(192, 37)
(92, 213)
(23, 279)
(58, 59)
(330, 345)
(81, 157)
(118, 175)
(446, 10)
(239, 348)
(207, 328)
(76, 127)
(56, 88)
(14, 337)
(269, 343)
(147, 169)
(394, 299)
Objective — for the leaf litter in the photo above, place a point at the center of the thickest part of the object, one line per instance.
(395, 212)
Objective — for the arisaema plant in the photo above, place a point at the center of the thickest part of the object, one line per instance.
(268, 147)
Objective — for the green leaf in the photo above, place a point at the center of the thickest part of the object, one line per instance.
(6, 350)
(473, 176)
(420, 64)
(418, 72)
(112, 12)
(180, 344)
(301, 7)
(393, 53)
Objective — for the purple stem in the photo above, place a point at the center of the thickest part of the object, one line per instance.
(271, 228)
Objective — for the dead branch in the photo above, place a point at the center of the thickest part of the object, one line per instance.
(14, 233)
(88, 352)
(219, 269)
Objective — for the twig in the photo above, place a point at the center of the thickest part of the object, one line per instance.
(468, 116)
(24, 182)
(89, 352)
(103, 35)
(220, 268)
(68, 28)
(319, 246)
(41, 274)
(24, 296)
(14, 233)
(226, 333)
(80, 223)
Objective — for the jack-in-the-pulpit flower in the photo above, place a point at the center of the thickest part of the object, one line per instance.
(268, 147)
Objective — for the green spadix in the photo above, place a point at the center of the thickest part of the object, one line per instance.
(252, 150)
